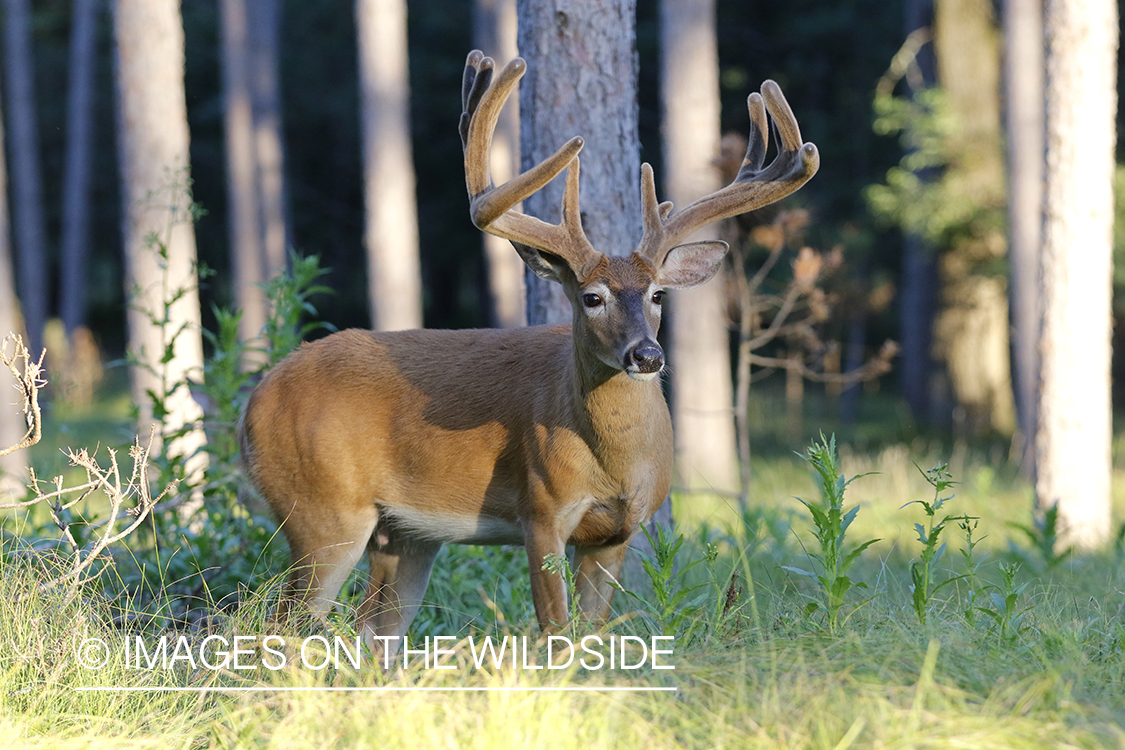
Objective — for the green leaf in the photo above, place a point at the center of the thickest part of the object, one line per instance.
(798, 571)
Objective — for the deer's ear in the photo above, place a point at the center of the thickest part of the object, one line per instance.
(545, 265)
(691, 264)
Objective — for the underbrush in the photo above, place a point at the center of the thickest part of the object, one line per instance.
(1014, 651)
(901, 594)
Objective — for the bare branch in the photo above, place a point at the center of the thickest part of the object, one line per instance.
(873, 368)
(29, 379)
(132, 497)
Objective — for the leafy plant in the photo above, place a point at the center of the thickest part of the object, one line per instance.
(292, 316)
(922, 571)
(180, 562)
(831, 522)
(973, 563)
(558, 565)
(170, 386)
(1043, 535)
(676, 607)
(1007, 617)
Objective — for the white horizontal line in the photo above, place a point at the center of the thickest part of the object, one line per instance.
(106, 689)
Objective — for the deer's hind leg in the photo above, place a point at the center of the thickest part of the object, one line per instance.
(400, 572)
(326, 545)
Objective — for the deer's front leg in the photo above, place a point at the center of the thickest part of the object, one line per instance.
(548, 588)
(597, 568)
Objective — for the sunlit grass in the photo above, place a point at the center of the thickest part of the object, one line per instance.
(768, 676)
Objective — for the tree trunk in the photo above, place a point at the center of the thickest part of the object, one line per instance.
(1073, 442)
(27, 198)
(255, 163)
(75, 249)
(242, 204)
(581, 80)
(269, 160)
(916, 299)
(153, 160)
(971, 331)
(391, 231)
(494, 33)
(1023, 79)
(702, 398)
(12, 425)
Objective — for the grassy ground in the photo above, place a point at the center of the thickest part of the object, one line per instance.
(753, 669)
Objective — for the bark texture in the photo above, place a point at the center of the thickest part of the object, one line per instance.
(391, 228)
(1023, 89)
(153, 144)
(12, 425)
(27, 189)
(75, 249)
(255, 161)
(581, 80)
(702, 394)
(971, 330)
(1073, 441)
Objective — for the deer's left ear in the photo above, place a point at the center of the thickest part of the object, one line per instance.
(691, 264)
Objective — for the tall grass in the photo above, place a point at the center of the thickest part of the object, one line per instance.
(773, 677)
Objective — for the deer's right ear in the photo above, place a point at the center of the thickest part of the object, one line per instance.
(691, 264)
(545, 265)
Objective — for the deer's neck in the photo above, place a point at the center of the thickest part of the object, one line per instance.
(619, 416)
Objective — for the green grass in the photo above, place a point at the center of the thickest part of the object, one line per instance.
(760, 669)
(778, 682)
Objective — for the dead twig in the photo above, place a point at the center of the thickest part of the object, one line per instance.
(29, 379)
(132, 497)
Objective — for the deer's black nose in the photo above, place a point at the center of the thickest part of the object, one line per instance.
(647, 356)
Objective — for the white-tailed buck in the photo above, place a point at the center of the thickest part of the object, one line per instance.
(396, 443)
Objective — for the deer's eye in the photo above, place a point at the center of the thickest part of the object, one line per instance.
(658, 297)
(592, 300)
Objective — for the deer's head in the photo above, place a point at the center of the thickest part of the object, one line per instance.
(617, 301)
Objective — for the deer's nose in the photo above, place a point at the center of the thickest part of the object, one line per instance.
(647, 356)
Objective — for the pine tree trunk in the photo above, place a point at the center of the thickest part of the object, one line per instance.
(153, 161)
(269, 158)
(702, 397)
(391, 232)
(27, 197)
(494, 33)
(75, 249)
(971, 330)
(12, 425)
(581, 80)
(1023, 79)
(255, 161)
(1073, 442)
(242, 203)
(916, 299)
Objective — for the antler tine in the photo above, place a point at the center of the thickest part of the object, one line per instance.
(483, 96)
(754, 186)
(759, 134)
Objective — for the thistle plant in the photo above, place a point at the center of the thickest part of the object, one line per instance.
(831, 522)
(922, 571)
(968, 526)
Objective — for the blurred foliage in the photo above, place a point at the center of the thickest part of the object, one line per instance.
(925, 193)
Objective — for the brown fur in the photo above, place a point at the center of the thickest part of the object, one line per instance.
(396, 443)
(525, 436)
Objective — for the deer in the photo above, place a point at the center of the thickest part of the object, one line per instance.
(396, 443)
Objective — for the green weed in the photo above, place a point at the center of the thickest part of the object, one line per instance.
(922, 572)
(831, 523)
